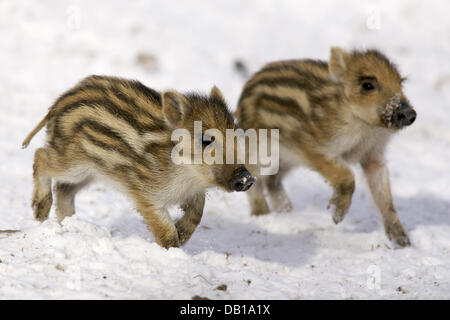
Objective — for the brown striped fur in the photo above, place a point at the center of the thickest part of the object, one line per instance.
(326, 122)
(120, 130)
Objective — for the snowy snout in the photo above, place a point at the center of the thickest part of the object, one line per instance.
(404, 116)
(242, 180)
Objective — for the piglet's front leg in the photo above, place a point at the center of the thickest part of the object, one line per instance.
(378, 179)
(193, 211)
(341, 178)
(158, 222)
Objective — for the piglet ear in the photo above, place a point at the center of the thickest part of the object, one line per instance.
(216, 94)
(174, 105)
(337, 66)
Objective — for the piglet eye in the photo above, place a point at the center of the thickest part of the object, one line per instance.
(206, 142)
(367, 86)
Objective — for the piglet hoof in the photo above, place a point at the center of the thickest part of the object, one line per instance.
(402, 242)
(183, 234)
(339, 204)
(260, 210)
(167, 243)
(338, 212)
(398, 237)
(338, 215)
(41, 208)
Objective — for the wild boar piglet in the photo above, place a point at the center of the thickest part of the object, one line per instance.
(330, 114)
(121, 131)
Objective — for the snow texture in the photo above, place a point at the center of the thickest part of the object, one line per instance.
(105, 250)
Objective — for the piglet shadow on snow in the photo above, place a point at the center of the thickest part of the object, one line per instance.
(412, 211)
(219, 234)
(425, 210)
(247, 239)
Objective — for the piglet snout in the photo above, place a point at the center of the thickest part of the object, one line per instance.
(242, 180)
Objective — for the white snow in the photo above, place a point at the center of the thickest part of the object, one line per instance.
(105, 250)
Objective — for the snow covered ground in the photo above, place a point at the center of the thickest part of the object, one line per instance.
(105, 251)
